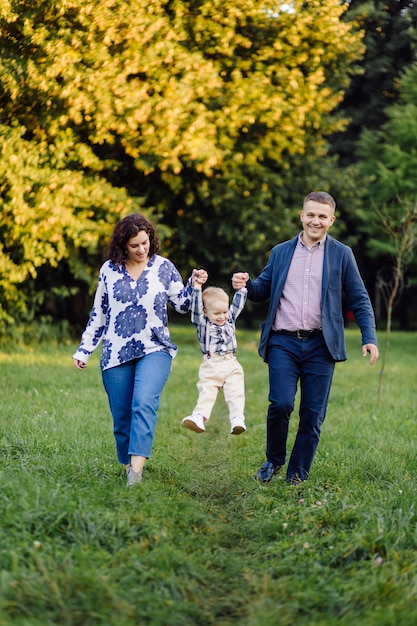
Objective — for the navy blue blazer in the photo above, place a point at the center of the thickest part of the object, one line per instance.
(340, 275)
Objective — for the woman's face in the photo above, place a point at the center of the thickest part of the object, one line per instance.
(137, 247)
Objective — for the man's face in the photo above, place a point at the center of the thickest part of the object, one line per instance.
(316, 219)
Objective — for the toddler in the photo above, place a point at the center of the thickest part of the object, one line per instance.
(216, 332)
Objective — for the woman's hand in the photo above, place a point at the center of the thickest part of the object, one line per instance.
(199, 277)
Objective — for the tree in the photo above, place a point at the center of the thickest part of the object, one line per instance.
(390, 39)
(49, 216)
(402, 235)
(281, 75)
(388, 160)
(211, 117)
(389, 163)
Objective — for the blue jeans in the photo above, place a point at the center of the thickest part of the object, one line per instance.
(134, 389)
(290, 361)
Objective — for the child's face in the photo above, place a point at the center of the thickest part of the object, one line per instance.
(217, 311)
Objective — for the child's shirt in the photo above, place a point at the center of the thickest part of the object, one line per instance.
(215, 339)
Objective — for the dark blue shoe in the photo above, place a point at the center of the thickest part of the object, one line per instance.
(294, 480)
(266, 471)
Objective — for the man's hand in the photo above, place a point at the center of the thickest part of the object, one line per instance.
(373, 351)
(239, 280)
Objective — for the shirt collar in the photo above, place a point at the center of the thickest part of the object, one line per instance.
(318, 244)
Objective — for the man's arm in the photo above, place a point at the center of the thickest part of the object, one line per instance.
(360, 303)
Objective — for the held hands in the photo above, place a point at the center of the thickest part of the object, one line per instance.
(199, 277)
(373, 351)
(239, 280)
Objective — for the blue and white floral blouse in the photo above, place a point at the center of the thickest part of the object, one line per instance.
(131, 316)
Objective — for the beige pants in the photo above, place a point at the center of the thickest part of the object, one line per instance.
(219, 372)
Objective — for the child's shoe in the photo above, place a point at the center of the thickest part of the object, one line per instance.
(237, 426)
(194, 422)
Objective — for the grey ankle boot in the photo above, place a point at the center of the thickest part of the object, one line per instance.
(133, 478)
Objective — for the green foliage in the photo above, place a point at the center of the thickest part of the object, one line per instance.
(211, 117)
(390, 38)
(199, 541)
(389, 165)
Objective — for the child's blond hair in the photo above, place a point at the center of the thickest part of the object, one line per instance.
(212, 295)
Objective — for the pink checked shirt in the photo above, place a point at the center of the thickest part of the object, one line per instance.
(300, 304)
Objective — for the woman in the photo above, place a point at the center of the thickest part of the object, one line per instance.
(130, 315)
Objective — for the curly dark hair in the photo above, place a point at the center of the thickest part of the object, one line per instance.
(127, 228)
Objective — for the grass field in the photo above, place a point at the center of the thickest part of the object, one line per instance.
(199, 542)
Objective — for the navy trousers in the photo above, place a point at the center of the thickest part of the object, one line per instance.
(291, 361)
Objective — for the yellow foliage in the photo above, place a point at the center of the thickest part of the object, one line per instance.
(210, 90)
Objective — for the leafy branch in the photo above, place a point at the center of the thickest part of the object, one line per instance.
(402, 232)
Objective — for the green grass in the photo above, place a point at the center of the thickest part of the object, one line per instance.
(199, 542)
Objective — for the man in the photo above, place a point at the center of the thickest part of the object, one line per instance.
(303, 335)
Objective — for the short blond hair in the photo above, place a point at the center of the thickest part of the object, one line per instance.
(214, 294)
